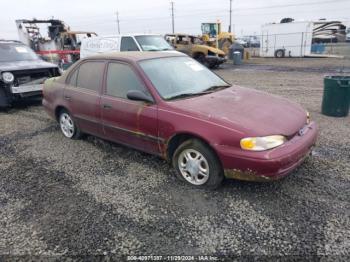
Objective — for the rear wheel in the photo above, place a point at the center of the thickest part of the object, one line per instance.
(197, 164)
(68, 126)
(279, 53)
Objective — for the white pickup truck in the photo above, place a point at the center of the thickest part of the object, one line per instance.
(119, 43)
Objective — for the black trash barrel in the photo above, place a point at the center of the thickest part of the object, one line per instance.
(233, 48)
(336, 96)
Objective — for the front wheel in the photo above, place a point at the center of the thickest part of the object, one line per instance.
(201, 59)
(67, 125)
(197, 164)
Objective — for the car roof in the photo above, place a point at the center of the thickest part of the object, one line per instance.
(136, 55)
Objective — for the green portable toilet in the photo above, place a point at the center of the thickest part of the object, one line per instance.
(336, 96)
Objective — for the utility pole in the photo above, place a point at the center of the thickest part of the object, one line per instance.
(230, 26)
(118, 26)
(172, 16)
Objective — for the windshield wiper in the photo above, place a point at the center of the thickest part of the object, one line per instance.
(215, 87)
(186, 95)
(204, 92)
(160, 49)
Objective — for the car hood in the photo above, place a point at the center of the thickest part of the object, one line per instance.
(25, 65)
(210, 48)
(250, 111)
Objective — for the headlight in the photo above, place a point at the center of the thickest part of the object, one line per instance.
(262, 143)
(8, 77)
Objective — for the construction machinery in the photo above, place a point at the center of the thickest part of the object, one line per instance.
(213, 36)
(193, 46)
(60, 45)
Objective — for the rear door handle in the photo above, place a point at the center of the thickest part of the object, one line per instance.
(67, 97)
(106, 106)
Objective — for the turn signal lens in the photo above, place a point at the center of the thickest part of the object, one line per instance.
(248, 143)
(308, 117)
(262, 143)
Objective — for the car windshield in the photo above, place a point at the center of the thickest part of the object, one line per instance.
(176, 77)
(153, 43)
(10, 52)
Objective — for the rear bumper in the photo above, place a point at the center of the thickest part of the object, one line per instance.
(271, 164)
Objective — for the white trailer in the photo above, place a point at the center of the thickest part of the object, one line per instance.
(286, 39)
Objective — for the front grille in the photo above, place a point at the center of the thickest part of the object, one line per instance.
(23, 79)
(26, 76)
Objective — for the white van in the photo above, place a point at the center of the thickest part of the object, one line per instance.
(118, 43)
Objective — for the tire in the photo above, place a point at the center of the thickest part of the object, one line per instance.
(68, 126)
(204, 170)
(5, 101)
(213, 66)
(201, 59)
(279, 53)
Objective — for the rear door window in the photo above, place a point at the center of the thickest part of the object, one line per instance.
(90, 75)
(128, 44)
(121, 79)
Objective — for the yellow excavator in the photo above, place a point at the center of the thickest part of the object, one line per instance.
(212, 36)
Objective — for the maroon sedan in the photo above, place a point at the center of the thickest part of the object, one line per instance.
(169, 105)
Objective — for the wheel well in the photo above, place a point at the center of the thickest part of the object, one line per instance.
(197, 54)
(58, 110)
(178, 139)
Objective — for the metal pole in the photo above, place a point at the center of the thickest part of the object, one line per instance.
(230, 26)
(118, 26)
(217, 34)
(172, 16)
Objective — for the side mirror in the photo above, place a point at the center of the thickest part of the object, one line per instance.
(137, 95)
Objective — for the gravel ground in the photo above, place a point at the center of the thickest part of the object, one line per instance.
(92, 197)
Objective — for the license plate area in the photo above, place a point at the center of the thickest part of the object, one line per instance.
(26, 88)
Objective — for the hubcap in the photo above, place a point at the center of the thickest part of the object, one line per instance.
(193, 167)
(67, 125)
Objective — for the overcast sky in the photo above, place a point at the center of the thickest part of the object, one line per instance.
(153, 16)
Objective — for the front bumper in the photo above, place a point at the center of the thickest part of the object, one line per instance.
(271, 164)
(26, 89)
(211, 59)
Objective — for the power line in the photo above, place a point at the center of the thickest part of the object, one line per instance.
(202, 11)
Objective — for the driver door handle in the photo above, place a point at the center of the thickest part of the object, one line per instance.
(106, 106)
